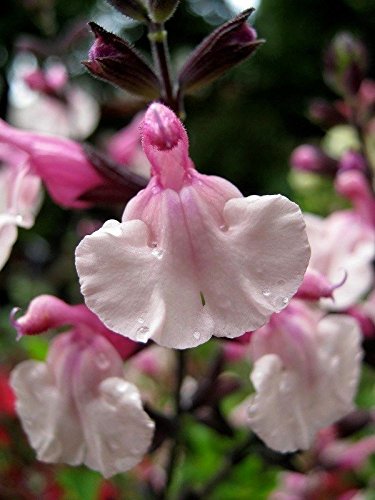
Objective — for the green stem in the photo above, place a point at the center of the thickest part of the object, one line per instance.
(173, 456)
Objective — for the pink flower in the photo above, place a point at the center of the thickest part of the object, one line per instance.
(76, 408)
(20, 196)
(342, 243)
(60, 163)
(345, 241)
(192, 257)
(125, 148)
(54, 105)
(306, 370)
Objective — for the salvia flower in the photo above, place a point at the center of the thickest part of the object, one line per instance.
(342, 243)
(77, 408)
(54, 105)
(192, 257)
(69, 171)
(306, 370)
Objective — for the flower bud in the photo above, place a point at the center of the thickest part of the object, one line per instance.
(227, 46)
(131, 8)
(351, 160)
(162, 10)
(312, 159)
(325, 114)
(345, 64)
(114, 60)
(315, 286)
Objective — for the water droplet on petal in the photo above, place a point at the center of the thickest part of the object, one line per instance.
(140, 320)
(154, 244)
(266, 292)
(114, 445)
(197, 335)
(224, 228)
(285, 300)
(142, 334)
(285, 386)
(102, 361)
(158, 253)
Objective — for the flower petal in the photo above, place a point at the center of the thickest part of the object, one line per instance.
(244, 271)
(118, 432)
(47, 414)
(289, 408)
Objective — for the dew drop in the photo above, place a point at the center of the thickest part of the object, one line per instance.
(154, 244)
(285, 300)
(158, 253)
(102, 361)
(285, 386)
(140, 320)
(266, 292)
(142, 334)
(224, 228)
(197, 335)
(114, 445)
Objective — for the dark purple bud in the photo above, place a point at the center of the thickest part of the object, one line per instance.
(114, 60)
(227, 46)
(162, 10)
(312, 159)
(345, 64)
(131, 8)
(325, 114)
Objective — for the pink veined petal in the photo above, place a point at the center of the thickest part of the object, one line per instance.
(118, 432)
(47, 414)
(240, 263)
(76, 408)
(288, 407)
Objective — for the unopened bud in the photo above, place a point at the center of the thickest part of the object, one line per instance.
(114, 60)
(131, 8)
(227, 46)
(316, 286)
(312, 159)
(345, 64)
(325, 114)
(162, 10)
(351, 160)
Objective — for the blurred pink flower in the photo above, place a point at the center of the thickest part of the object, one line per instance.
(77, 408)
(306, 370)
(192, 257)
(60, 163)
(124, 147)
(55, 106)
(20, 197)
